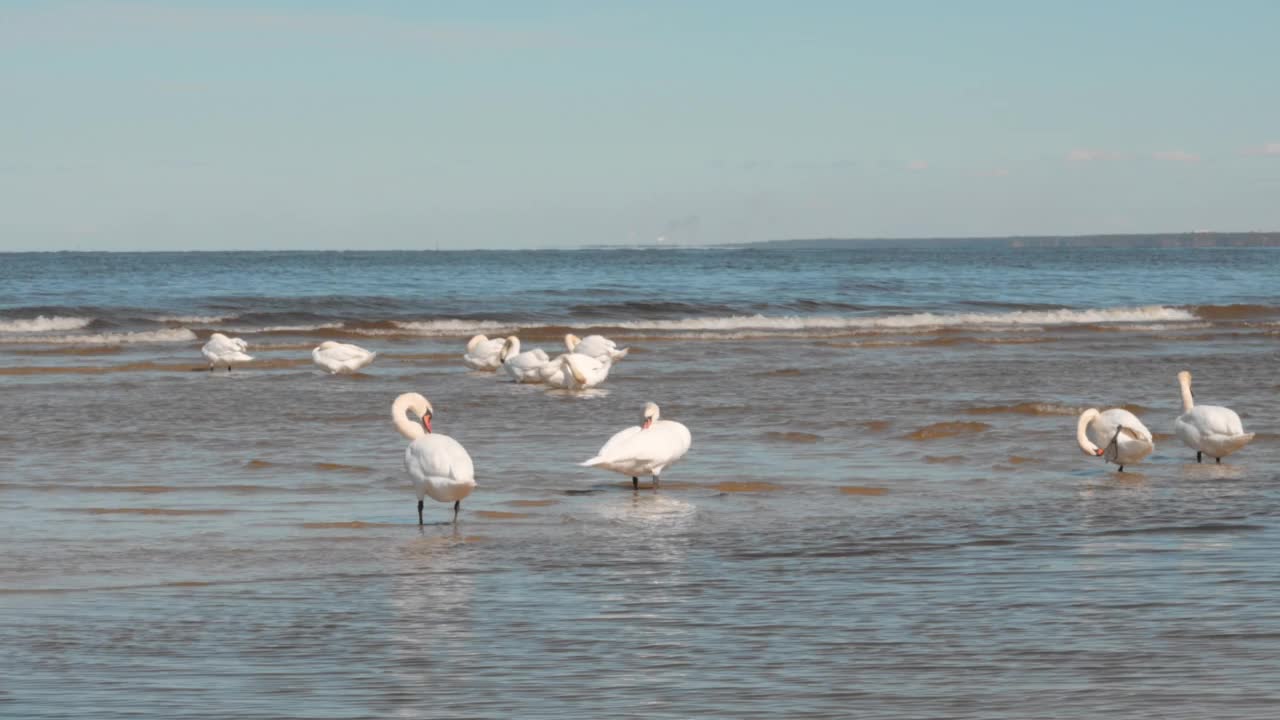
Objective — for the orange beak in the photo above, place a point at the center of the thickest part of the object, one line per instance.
(426, 422)
(647, 423)
(1099, 452)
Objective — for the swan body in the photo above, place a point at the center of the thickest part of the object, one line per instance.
(440, 467)
(483, 353)
(339, 357)
(1116, 435)
(644, 449)
(222, 350)
(1208, 429)
(523, 367)
(573, 371)
(596, 346)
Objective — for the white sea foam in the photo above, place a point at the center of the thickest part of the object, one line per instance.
(44, 324)
(193, 319)
(282, 328)
(172, 335)
(441, 328)
(914, 322)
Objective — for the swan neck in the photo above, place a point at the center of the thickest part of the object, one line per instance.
(407, 428)
(1082, 436)
(1188, 402)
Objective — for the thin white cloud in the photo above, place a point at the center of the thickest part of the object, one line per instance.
(994, 172)
(1181, 156)
(1271, 148)
(1090, 155)
(918, 165)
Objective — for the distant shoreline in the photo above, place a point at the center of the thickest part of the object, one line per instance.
(1139, 240)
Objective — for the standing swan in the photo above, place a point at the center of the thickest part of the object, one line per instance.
(1208, 428)
(439, 465)
(483, 353)
(596, 346)
(1124, 440)
(339, 357)
(523, 367)
(644, 449)
(222, 350)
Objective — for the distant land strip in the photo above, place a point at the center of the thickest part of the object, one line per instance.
(1143, 240)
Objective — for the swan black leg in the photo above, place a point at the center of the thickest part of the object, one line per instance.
(419, 512)
(635, 483)
(456, 504)
(1121, 468)
(1217, 461)
(1198, 456)
(656, 480)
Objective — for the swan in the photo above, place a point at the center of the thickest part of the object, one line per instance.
(339, 357)
(439, 465)
(1208, 428)
(483, 353)
(574, 371)
(524, 367)
(596, 346)
(222, 350)
(644, 449)
(1124, 440)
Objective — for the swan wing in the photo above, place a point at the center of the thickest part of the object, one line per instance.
(613, 447)
(438, 456)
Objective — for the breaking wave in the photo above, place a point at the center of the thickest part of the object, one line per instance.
(43, 323)
(174, 335)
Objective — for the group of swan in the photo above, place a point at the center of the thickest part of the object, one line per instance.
(586, 364)
(442, 470)
(1121, 438)
(333, 356)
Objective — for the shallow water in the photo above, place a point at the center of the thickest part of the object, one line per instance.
(883, 515)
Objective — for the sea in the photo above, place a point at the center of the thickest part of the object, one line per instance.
(884, 513)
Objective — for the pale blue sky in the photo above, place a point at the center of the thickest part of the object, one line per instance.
(205, 125)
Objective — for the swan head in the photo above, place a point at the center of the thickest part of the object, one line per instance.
(510, 346)
(417, 406)
(571, 341)
(650, 415)
(1082, 437)
(218, 336)
(567, 362)
(327, 344)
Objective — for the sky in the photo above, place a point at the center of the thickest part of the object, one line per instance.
(203, 125)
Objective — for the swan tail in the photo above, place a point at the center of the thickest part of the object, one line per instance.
(619, 354)
(593, 462)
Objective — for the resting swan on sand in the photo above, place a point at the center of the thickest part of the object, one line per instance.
(644, 449)
(1208, 428)
(439, 465)
(1116, 435)
(339, 357)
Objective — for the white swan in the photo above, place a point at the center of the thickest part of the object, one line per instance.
(339, 357)
(222, 350)
(439, 465)
(523, 367)
(483, 353)
(596, 346)
(1208, 428)
(1115, 434)
(644, 449)
(574, 371)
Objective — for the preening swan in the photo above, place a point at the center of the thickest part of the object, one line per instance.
(439, 465)
(1116, 435)
(523, 367)
(339, 357)
(644, 449)
(573, 371)
(596, 346)
(483, 353)
(222, 350)
(1208, 428)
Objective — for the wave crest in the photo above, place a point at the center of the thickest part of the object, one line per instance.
(43, 323)
(173, 335)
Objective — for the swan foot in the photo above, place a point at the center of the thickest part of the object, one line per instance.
(635, 483)
(1198, 456)
(419, 512)
(1217, 461)
(1121, 468)
(456, 504)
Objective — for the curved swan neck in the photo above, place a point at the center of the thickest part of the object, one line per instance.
(571, 342)
(1082, 437)
(511, 349)
(1188, 400)
(574, 370)
(409, 402)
